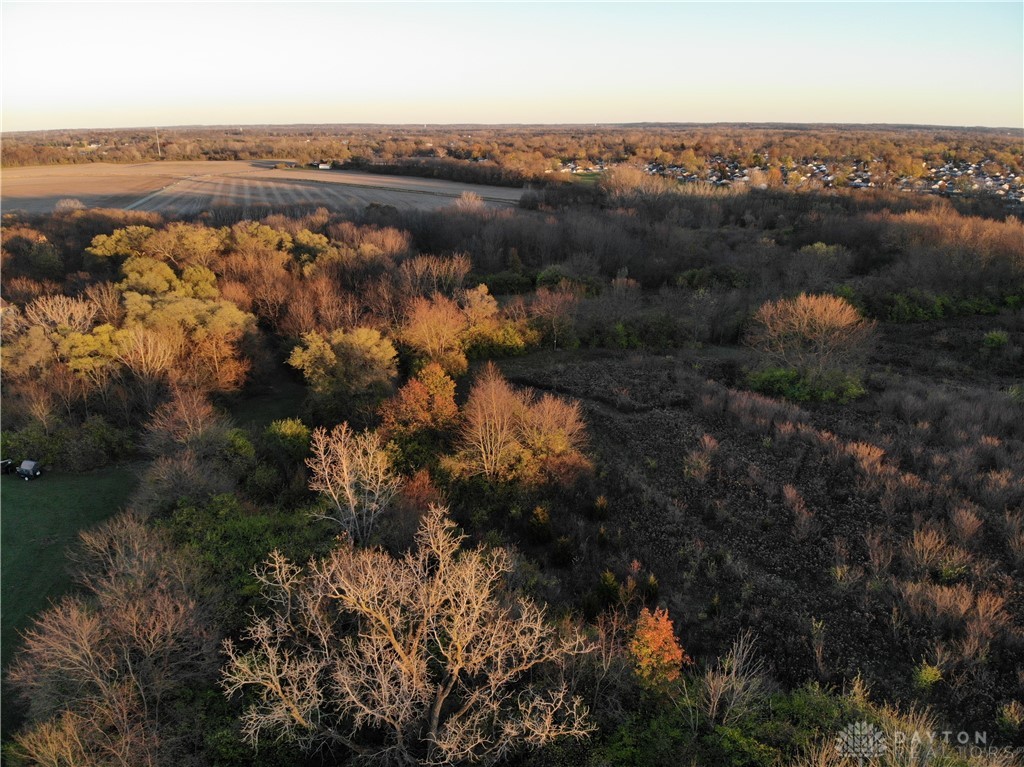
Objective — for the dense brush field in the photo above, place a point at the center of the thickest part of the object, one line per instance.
(634, 473)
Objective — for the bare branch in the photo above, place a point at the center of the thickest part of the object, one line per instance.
(424, 657)
(354, 473)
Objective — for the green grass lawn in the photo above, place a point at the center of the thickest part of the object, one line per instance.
(39, 520)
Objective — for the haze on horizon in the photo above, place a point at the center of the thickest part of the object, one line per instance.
(107, 65)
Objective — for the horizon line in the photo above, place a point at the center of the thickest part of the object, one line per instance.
(774, 124)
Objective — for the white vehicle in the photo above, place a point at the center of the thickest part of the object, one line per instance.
(29, 470)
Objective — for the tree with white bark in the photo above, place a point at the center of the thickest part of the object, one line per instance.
(352, 470)
(425, 660)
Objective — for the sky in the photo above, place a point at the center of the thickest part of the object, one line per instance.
(140, 64)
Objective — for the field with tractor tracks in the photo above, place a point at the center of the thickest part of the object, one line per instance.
(189, 188)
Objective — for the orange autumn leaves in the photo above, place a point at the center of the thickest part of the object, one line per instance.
(658, 657)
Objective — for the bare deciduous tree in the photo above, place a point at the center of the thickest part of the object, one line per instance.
(608, 667)
(354, 472)
(150, 353)
(56, 742)
(469, 202)
(490, 433)
(727, 690)
(418, 660)
(39, 402)
(95, 670)
(426, 275)
(554, 309)
(814, 334)
(552, 427)
(237, 293)
(262, 269)
(435, 328)
(61, 313)
(186, 473)
(508, 433)
(178, 422)
(631, 183)
(216, 364)
(336, 308)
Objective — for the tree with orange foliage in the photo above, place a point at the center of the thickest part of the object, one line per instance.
(657, 655)
(425, 403)
(420, 416)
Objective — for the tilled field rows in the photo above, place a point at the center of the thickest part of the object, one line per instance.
(194, 195)
(191, 188)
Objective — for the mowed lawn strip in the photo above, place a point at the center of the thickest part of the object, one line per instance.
(39, 521)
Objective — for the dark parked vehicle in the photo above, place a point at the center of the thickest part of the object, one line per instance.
(29, 470)
(6, 466)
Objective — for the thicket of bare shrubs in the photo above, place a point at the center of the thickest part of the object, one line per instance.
(509, 434)
(815, 334)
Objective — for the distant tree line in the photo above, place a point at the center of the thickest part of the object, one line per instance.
(518, 154)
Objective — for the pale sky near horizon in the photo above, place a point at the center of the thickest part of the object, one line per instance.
(99, 65)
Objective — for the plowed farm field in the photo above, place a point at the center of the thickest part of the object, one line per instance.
(188, 188)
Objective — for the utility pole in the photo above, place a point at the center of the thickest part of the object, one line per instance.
(159, 154)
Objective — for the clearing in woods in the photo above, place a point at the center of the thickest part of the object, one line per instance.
(184, 188)
(40, 523)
